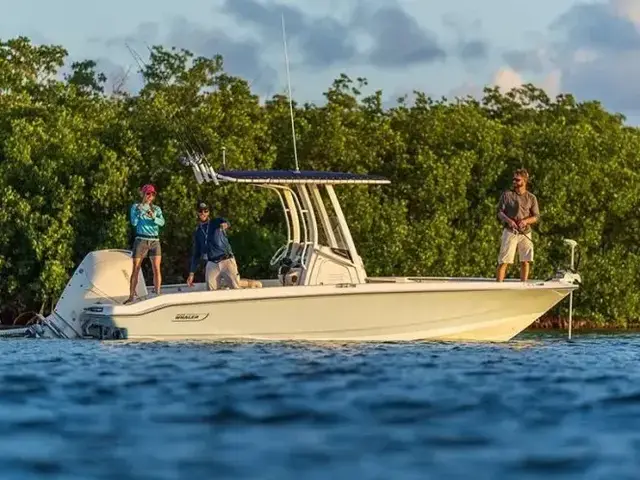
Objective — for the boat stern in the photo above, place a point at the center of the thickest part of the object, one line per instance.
(101, 279)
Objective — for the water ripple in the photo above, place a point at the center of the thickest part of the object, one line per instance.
(538, 406)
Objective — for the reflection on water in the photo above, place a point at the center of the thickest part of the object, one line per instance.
(538, 406)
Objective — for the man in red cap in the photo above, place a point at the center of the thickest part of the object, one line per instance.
(147, 219)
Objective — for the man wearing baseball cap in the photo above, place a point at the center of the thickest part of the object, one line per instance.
(210, 242)
(147, 219)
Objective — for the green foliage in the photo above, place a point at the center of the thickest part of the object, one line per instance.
(72, 160)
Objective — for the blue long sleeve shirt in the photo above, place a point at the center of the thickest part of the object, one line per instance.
(209, 242)
(145, 226)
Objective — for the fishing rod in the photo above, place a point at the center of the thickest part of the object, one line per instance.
(193, 148)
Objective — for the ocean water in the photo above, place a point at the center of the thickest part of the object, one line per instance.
(538, 407)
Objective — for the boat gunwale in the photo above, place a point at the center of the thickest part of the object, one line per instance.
(160, 302)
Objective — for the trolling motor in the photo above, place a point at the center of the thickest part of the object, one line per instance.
(571, 274)
(573, 244)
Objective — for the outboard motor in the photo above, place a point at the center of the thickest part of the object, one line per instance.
(102, 278)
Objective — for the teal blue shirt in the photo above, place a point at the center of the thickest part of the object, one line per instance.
(145, 226)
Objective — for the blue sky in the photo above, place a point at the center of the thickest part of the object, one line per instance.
(455, 47)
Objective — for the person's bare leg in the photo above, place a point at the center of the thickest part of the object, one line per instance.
(133, 283)
(501, 272)
(157, 273)
(524, 271)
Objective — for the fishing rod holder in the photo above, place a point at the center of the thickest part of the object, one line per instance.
(202, 170)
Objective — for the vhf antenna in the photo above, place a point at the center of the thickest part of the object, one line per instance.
(293, 127)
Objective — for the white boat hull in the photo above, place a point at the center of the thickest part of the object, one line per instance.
(368, 312)
(382, 309)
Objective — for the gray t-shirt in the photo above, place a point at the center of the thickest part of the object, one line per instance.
(517, 207)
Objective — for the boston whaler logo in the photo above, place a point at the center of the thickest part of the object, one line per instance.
(190, 317)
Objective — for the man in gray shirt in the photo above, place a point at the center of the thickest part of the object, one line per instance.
(517, 211)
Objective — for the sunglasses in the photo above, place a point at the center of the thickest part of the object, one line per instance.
(202, 211)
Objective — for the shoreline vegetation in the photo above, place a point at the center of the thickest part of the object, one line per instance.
(555, 322)
(75, 147)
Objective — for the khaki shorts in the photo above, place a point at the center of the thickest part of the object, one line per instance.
(142, 247)
(511, 242)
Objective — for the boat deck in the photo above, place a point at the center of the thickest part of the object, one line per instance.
(273, 282)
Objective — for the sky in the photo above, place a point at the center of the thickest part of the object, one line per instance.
(590, 48)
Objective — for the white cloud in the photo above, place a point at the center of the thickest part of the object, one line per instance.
(506, 79)
(628, 9)
(552, 83)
